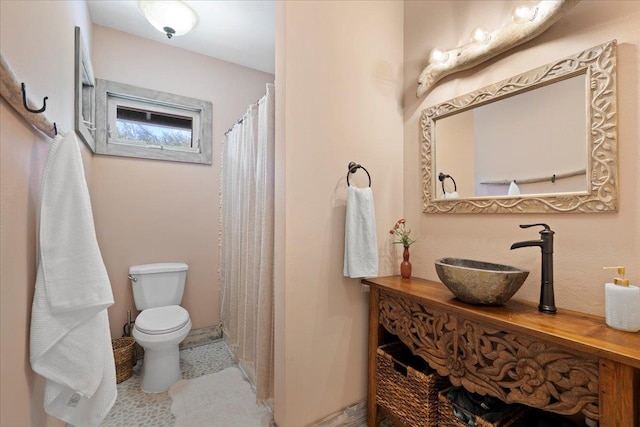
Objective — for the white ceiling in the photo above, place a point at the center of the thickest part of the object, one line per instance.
(241, 32)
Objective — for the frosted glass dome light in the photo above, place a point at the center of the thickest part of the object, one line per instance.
(481, 35)
(438, 56)
(171, 17)
(523, 13)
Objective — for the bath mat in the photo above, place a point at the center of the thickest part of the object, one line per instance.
(222, 399)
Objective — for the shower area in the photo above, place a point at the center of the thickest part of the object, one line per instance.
(246, 242)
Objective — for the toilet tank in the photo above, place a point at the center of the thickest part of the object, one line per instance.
(158, 285)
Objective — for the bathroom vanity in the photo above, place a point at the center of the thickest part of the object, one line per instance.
(567, 363)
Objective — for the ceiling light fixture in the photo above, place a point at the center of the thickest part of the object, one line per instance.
(525, 24)
(171, 17)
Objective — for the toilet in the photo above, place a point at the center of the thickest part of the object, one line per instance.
(162, 324)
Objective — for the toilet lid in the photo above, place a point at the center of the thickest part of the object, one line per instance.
(162, 320)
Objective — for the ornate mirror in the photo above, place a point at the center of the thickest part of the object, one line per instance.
(541, 141)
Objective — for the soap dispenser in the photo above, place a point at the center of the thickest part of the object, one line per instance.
(622, 303)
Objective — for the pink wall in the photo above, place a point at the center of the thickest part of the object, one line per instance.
(339, 74)
(584, 242)
(37, 42)
(153, 211)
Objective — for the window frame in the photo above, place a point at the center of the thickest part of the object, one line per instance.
(84, 93)
(110, 94)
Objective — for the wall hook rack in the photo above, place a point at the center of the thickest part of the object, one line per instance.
(26, 107)
(10, 90)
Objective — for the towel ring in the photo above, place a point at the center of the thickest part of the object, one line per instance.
(442, 177)
(353, 167)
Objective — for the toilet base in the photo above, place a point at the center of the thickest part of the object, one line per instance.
(161, 362)
(160, 369)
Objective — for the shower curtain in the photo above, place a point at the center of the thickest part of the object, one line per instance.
(246, 240)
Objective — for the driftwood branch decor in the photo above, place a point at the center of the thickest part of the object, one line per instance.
(525, 26)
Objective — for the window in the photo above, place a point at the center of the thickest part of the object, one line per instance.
(137, 122)
(151, 125)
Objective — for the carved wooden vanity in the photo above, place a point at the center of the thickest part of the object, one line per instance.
(566, 363)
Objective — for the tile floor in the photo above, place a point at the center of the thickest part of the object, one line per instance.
(136, 408)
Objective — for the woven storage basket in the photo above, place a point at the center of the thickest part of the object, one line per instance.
(123, 353)
(404, 389)
(515, 417)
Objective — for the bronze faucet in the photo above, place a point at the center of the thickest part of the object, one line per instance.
(547, 303)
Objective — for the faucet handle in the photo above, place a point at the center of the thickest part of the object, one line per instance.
(546, 227)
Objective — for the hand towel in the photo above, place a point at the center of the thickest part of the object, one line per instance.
(453, 195)
(70, 338)
(513, 189)
(360, 242)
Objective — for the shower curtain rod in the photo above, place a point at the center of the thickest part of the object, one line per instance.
(551, 178)
(241, 119)
(15, 94)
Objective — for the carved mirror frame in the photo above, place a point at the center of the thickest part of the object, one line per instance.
(599, 66)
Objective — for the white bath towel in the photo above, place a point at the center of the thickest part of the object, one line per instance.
(514, 190)
(70, 339)
(360, 241)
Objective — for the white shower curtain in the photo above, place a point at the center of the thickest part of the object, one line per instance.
(246, 260)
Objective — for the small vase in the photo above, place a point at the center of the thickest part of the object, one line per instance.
(405, 266)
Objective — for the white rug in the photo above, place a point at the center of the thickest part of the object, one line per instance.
(223, 399)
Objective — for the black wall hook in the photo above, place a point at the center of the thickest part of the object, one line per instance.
(26, 107)
(353, 167)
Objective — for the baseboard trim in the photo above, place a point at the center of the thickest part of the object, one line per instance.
(352, 416)
(201, 336)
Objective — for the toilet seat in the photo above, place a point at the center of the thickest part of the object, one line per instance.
(162, 320)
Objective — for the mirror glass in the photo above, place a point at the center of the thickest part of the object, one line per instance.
(487, 148)
(542, 141)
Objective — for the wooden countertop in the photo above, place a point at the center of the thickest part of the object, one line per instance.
(583, 332)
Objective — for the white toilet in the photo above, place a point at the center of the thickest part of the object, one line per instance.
(162, 324)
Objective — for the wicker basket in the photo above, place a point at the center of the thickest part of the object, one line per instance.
(123, 353)
(516, 415)
(406, 387)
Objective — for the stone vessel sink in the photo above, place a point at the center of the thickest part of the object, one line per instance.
(478, 282)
